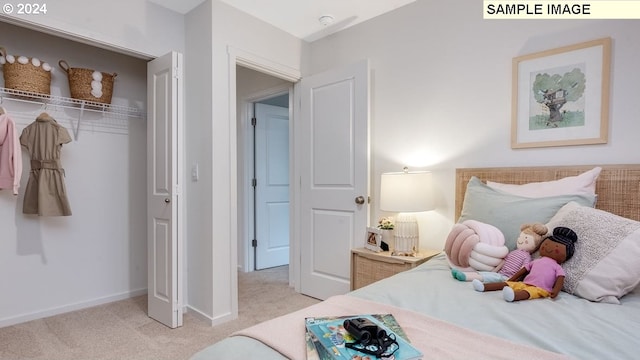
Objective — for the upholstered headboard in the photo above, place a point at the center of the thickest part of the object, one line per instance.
(618, 186)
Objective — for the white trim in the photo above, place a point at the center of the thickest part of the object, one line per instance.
(212, 321)
(198, 314)
(182, 198)
(70, 307)
(268, 93)
(233, 195)
(247, 220)
(56, 31)
(295, 189)
(265, 66)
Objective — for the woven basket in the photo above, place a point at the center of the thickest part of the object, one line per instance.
(88, 84)
(26, 77)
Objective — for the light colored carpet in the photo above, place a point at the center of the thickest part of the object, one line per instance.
(122, 330)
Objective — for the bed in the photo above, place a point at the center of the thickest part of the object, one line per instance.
(597, 317)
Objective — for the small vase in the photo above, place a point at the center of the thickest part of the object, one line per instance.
(388, 238)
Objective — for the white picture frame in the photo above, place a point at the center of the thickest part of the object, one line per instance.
(373, 241)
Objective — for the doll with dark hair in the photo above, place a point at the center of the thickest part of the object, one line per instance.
(543, 277)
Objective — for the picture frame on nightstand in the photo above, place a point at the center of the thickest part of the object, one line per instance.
(373, 241)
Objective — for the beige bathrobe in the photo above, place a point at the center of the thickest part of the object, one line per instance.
(45, 194)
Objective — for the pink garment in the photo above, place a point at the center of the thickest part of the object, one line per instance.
(543, 273)
(514, 261)
(10, 155)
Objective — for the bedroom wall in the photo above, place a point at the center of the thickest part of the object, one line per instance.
(213, 32)
(138, 27)
(51, 265)
(441, 93)
(198, 125)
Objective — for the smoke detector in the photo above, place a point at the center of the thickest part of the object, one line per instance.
(325, 19)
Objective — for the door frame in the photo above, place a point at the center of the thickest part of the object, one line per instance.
(245, 219)
(255, 62)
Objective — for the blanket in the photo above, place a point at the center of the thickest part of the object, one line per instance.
(436, 339)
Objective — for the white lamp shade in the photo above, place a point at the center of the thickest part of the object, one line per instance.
(406, 192)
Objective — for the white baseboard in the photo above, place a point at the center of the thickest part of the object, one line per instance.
(197, 314)
(70, 307)
(208, 319)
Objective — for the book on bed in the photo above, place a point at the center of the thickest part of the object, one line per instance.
(327, 339)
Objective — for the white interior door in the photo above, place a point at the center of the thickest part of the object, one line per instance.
(164, 245)
(334, 113)
(272, 185)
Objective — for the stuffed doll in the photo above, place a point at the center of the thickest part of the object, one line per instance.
(528, 241)
(543, 277)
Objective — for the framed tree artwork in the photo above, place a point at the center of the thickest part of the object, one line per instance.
(561, 96)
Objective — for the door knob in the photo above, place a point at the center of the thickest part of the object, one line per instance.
(167, 200)
(360, 200)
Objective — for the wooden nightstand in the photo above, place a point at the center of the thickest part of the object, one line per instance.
(368, 266)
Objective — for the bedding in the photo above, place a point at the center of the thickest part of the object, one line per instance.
(606, 264)
(508, 212)
(439, 339)
(584, 183)
(568, 325)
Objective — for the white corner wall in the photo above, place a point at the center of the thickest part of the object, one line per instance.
(441, 95)
(278, 47)
(52, 265)
(136, 27)
(211, 129)
(198, 124)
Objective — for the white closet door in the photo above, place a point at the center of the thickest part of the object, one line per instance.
(164, 245)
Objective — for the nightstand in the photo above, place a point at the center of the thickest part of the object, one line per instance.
(368, 266)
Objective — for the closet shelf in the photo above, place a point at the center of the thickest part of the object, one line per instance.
(69, 103)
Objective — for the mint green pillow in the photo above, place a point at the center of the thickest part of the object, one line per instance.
(508, 212)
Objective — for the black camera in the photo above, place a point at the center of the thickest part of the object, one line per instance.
(364, 331)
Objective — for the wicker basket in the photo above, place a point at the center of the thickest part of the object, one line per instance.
(30, 75)
(88, 84)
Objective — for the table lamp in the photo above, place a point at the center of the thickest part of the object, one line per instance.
(406, 193)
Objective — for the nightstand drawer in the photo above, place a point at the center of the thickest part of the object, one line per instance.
(368, 267)
(368, 271)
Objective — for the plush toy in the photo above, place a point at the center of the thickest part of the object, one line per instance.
(528, 241)
(475, 246)
(543, 277)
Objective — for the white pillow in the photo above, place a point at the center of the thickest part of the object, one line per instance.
(605, 265)
(584, 183)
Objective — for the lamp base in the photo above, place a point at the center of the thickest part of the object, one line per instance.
(406, 235)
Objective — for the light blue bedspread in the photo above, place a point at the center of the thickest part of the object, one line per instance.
(567, 324)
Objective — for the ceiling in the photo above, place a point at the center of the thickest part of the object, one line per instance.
(301, 17)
